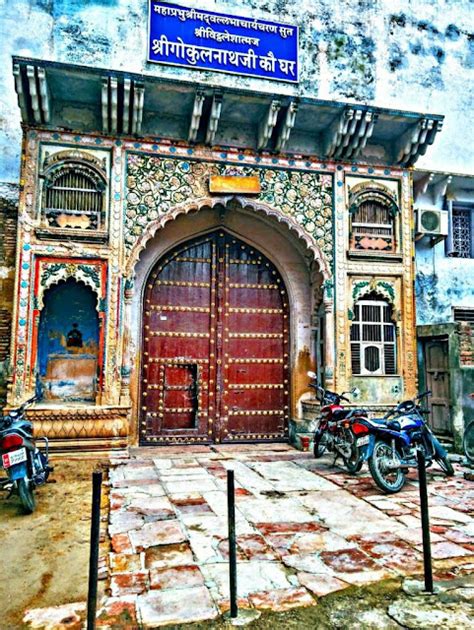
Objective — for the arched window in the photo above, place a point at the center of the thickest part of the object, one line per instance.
(74, 193)
(373, 338)
(373, 218)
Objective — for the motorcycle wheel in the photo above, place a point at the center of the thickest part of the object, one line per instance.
(320, 443)
(388, 480)
(354, 462)
(445, 465)
(27, 498)
(468, 442)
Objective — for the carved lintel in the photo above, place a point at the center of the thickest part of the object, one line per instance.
(20, 92)
(416, 141)
(287, 126)
(337, 131)
(138, 101)
(196, 116)
(267, 124)
(44, 94)
(214, 116)
(104, 99)
(439, 189)
(352, 132)
(113, 122)
(127, 89)
(34, 95)
(421, 186)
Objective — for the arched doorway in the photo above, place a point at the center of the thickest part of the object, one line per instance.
(215, 345)
(68, 341)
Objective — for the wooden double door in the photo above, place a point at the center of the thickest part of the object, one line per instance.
(215, 345)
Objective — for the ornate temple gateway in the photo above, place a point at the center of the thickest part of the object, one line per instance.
(187, 252)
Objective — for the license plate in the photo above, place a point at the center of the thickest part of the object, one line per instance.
(14, 457)
(363, 440)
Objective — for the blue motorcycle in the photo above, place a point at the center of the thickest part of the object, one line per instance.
(25, 465)
(390, 444)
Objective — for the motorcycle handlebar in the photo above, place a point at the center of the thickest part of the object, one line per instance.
(427, 393)
(28, 402)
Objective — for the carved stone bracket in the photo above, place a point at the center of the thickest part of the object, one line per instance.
(32, 88)
(196, 116)
(131, 106)
(349, 133)
(416, 141)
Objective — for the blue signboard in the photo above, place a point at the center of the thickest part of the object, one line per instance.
(206, 40)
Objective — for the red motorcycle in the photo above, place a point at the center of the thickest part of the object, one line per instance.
(334, 432)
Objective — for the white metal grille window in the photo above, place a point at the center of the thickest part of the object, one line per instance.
(373, 341)
(462, 233)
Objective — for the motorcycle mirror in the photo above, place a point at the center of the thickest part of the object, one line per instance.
(355, 391)
(312, 374)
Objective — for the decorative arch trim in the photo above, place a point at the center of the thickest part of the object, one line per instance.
(242, 202)
(52, 271)
(385, 289)
(373, 191)
(63, 160)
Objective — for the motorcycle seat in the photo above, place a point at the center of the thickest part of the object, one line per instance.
(359, 411)
(340, 414)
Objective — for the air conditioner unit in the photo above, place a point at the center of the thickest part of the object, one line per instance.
(431, 222)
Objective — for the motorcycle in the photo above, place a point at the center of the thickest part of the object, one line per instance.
(333, 433)
(393, 442)
(26, 466)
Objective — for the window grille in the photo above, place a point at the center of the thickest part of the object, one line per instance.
(462, 233)
(461, 314)
(373, 341)
(74, 198)
(372, 227)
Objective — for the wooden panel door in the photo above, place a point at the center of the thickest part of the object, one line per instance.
(215, 345)
(437, 380)
(254, 382)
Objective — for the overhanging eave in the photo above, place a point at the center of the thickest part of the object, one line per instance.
(55, 95)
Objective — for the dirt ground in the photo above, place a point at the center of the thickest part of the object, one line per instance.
(45, 555)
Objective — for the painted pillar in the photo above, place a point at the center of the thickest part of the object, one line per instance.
(329, 341)
(126, 349)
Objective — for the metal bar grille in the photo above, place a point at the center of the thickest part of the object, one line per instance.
(462, 233)
(373, 348)
(463, 314)
(73, 194)
(373, 212)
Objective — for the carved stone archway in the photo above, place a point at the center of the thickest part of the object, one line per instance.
(236, 202)
(295, 253)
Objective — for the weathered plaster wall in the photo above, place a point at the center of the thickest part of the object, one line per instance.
(441, 283)
(8, 231)
(417, 56)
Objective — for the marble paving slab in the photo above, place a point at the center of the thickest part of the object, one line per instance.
(304, 528)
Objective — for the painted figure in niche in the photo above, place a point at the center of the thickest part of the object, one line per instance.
(68, 340)
(74, 337)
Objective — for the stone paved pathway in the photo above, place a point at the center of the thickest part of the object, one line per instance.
(304, 529)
